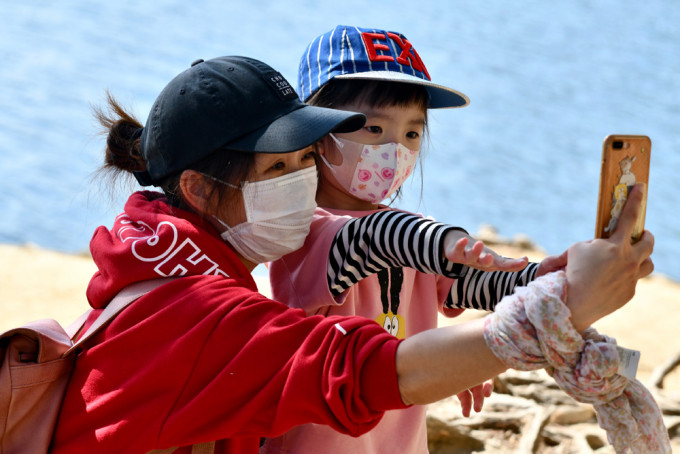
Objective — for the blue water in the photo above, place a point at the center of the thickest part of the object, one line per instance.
(548, 81)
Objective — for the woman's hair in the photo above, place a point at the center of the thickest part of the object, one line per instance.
(123, 156)
(338, 93)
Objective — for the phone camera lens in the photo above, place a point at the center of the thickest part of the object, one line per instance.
(617, 145)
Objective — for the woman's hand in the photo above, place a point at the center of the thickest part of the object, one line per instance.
(552, 263)
(457, 250)
(602, 273)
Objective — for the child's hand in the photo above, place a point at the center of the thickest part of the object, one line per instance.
(476, 394)
(478, 255)
(552, 263)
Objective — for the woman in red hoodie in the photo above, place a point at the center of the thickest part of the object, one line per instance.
(205, 359)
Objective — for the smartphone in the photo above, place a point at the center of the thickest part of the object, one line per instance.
(625, 162)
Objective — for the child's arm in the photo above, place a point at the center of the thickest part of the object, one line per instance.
(388, 239)
(481, 289)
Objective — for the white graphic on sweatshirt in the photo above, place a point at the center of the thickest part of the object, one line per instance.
(161, 245)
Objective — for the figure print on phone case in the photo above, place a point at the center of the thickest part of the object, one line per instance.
(621, 190)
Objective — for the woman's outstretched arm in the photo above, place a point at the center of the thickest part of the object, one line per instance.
(601, 278)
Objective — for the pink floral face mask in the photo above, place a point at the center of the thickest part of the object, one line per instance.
(372, 172)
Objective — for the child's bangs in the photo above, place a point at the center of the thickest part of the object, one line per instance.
(382, 94)
(375, 93)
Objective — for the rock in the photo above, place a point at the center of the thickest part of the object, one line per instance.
(527, 413)
(444, 438)
(567, 415)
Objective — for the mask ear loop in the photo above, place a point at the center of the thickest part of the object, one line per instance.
(340, 145)
(217, 180)
(337, 141)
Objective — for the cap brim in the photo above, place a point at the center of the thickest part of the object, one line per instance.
(440, 96)
(298, 129)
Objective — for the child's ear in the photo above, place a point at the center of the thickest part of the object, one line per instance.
(328, 148)
(195, 190)
(322, 145)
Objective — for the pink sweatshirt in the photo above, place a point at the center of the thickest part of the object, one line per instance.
(300, 280)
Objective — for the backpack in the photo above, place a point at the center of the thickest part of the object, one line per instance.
(36, 361)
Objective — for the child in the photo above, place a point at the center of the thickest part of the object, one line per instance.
(346, 265)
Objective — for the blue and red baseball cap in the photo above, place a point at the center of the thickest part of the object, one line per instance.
(366, 53)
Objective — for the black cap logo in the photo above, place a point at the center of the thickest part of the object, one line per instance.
(280, 86)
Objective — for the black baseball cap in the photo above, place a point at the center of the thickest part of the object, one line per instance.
(231, 103)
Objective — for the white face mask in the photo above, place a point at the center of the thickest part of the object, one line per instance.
(279, 212)
(372, 172)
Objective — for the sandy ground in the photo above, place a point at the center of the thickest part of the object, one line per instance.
(37, 283)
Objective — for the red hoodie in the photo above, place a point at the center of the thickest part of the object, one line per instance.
(206, 357)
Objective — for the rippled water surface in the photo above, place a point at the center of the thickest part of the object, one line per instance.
(548, 81)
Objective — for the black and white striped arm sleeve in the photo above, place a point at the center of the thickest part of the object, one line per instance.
(387, 239)
(476, 289)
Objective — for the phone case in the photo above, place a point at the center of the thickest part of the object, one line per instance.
(625, 162)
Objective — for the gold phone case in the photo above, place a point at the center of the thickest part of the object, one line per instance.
(625, 162)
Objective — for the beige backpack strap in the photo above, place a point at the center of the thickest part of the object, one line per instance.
(117, 304)
(202, 448)
(74, 328)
